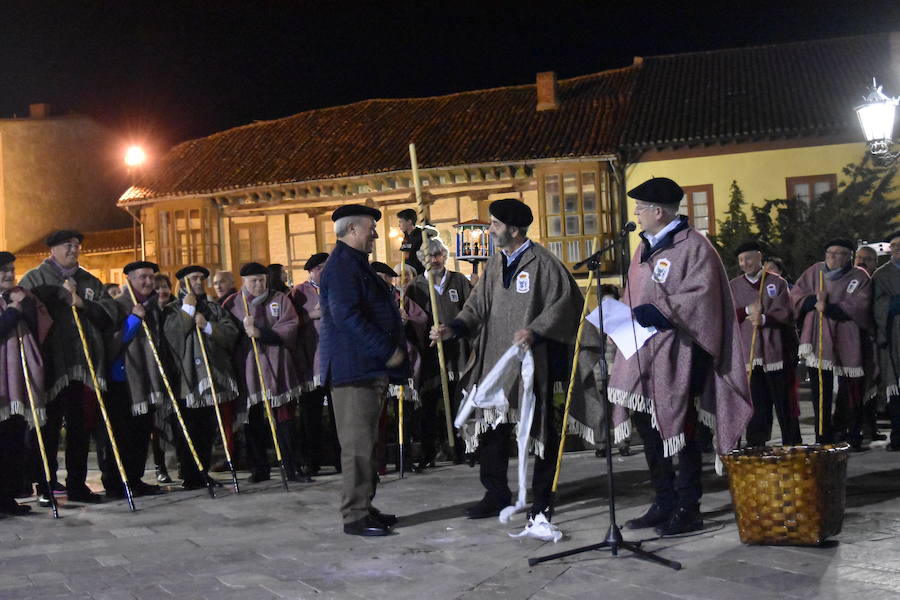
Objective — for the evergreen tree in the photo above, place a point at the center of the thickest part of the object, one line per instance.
(734, 230)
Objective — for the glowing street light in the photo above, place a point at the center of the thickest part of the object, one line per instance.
(135, 156)
(876, 117)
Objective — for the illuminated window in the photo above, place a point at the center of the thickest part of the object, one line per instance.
(812, 186)
(189, 236)
(699, 207)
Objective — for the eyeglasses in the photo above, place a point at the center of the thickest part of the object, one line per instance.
(638, 209)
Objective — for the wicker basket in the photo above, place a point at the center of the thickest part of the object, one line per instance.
(788, 495)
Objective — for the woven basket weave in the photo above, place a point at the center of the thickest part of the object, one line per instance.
(788, 495)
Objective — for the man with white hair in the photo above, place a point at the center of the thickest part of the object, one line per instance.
(361, 350)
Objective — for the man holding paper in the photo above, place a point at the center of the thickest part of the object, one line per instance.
(691, 371)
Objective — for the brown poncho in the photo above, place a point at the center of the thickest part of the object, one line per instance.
(13, 393)
(768, 349)
(886, 308)
(305, 297)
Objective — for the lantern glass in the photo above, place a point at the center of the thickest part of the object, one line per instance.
(877, 120)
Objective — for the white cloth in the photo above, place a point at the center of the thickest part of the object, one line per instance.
(619, 324)
(539, 527)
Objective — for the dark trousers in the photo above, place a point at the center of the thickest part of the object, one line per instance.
(312, 405)
(431, 425)
(259, 438)
(893, 409)
(846, 422)
(12, 457)
(769, 392)
(132, 433)
(68, 407)
(493, 456)
(685, 488)
(202, 427)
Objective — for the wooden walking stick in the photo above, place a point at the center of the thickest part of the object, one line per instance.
(265, 400)
(821, 423)
(400, 396)
(106, 421)
(162, 373)
(762, 282)
(445, 386)
(37, 425)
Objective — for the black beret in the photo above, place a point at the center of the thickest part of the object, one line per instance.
(140, 264)
(253, 268)
(408, 214)
(658, 190)
(62, 236)
(6, 258)
(380, 267)
(315, 260)
(510, 211)
(355, 210)
(182, 273)
(843, 242)
(749, 246)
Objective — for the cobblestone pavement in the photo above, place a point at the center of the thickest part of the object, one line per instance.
(265, 543)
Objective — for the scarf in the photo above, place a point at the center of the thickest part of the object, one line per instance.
(65, 273)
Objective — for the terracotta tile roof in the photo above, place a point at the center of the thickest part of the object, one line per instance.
(485, 126)
(109, 240)
(763, 92)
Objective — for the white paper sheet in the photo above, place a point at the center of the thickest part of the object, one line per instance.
(621, 327)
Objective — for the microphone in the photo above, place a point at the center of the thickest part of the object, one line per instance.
(628, 228)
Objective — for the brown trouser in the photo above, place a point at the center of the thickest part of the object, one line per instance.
(356, 410)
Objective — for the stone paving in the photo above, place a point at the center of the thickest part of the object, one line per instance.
(265, 543)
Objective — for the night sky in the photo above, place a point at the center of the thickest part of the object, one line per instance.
(165, 71)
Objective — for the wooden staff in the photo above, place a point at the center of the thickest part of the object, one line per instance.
(37, 426)
(400, 396)
(109, 431)
(215, 399)
(445, 386)
(265, 400)
(175, 407)
(821, 391)
(762, 281)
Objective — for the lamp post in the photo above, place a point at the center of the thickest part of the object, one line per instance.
(134, 158)
(876, 117)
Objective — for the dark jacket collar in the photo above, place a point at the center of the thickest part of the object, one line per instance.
(666, 242)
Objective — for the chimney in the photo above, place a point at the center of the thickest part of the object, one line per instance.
(39, 110)
(546, 91)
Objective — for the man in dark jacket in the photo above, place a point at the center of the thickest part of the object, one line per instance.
(361, 350)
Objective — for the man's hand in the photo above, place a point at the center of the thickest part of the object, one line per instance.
(754, 313)
(821, 299)
(316, 312)
(190, 299)
(396, 359)
(139, 311)
(757, 319)
(251, 331)
(200, 320)
(74, 298)
(248, 321)
(524, 339)
(439, 332)
(403, 316)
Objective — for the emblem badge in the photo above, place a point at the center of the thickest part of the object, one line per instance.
(275, 309)
(88, 294)
(771, 290)
(523, 282)
(851, 287)
(661, 270)
(454, 295)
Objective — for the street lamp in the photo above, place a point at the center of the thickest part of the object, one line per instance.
(876, 117)
(135, 157)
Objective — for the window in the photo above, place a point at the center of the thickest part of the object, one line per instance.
(189, 236)
(250, 243)
(811, 186)
(699, 207)
(576, 209)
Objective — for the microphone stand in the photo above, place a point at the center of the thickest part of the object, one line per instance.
(614, 540)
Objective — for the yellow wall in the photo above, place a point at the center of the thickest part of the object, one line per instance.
(760, 175)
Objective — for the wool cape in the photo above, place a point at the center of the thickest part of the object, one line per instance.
(886, 308)
(145, 383)
(842, 350)
(275, 313)
(416, 331)
(683, 277)
(13, 393)
(64, 360)
(544, 298)
(305, 297)
(181, 335)
(456, 351)
(768, 350)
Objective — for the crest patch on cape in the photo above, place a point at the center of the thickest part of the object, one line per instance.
(275, 309)
(661, 270)
(771, 290)
(198, 361)
(851, 287)
(523, 282)
(454, 295)
(88, 294)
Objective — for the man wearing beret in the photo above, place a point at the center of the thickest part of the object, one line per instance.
(273, 323)
(886, 280)
(182, 319)
(412, 238)
(135, 383)
(692, 371)
(763, 307)
(306, 300)
(361, 351)
(525, 298)
(838, 296)
(24, 323)
(59, 283)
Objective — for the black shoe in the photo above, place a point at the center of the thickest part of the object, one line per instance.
(58, 488)
(655, 515)
(84, 495)
(44, 500)
(878, 437)
(386, 519)
(892, 448)
(192, 484)
(368, 527)
(162, 475)
(483, 510)
(12, 508)
(625, 450)
(139, 488)
(600, 452)
(683, 520)
(259, 476)
(116, 493)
